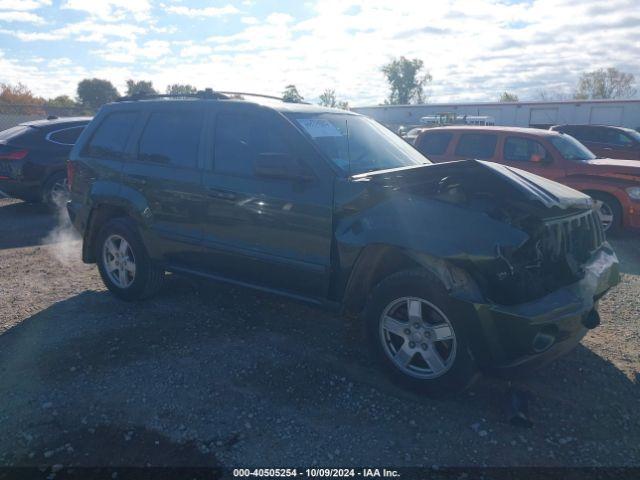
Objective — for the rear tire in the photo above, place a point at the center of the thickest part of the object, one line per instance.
(419, 335)
(123, 262)
(54, 191)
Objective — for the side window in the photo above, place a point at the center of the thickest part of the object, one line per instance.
(171, 138)
(110, 138)
(615, 137)
(241, 138)
(435, 143)
(517, 149)
(65, 136)
(476, 145)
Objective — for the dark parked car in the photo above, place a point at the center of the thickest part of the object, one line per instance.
(33, 157)
(452, 267)
(604, 140)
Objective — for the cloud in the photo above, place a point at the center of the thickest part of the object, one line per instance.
(23, 5)
(203, 12)
(20, 16)
(473, 48)
(111, 10)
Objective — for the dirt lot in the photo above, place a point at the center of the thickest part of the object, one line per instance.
(213, 375)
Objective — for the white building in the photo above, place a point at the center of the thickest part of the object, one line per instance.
(625, 113)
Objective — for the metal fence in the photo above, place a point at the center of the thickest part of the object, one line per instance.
(13, 114)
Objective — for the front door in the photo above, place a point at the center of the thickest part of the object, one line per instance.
(530, 155)
(270, 232)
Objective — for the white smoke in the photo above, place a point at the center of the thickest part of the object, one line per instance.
(64, 241)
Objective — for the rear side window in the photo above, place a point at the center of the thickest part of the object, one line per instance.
(435, 143)
(65, 136)
(241, 138)
(518, 149)
(476, 145)
(172, 138)
(110, 139)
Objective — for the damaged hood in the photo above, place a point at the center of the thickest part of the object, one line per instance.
(528, 186)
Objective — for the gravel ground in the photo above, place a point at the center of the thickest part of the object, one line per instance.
(213, 375)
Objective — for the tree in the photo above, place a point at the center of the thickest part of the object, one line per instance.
(18, 94)
(508, 97)
(328, 99)
(61, 101)
(405, 81)
(604, 84)
(95, 92)
(178, 89)
(141, 87)
(291, 94)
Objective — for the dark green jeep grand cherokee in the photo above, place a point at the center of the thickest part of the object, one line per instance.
(454, 268)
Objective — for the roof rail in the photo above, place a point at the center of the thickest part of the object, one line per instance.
(259, 95)
(206, 94)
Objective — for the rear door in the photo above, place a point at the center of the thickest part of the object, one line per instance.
(480, 146)
(271, 232)
(434, 144)
(165, 170)
(617, 144)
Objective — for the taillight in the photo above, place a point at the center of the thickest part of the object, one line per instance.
(70, 174)
(14, 155)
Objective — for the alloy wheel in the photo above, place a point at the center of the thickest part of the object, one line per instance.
(605, 212)
(418, 338)
(119, 261)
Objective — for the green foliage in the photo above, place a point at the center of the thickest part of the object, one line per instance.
(95, 92)
(61, 101)
(291, 94)
(508, 97)
(328, 99)
(141, 87)
(605, 84)
(178, 89)
(405, 80)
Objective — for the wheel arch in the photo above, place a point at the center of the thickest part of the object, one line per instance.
(377, 262)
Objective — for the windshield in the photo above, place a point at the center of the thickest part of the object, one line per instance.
(357, 144)
(571, 149)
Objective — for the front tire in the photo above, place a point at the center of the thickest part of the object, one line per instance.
(419, 335)
(124, 264)
(609, 211)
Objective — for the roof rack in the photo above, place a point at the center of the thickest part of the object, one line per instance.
(206, 94)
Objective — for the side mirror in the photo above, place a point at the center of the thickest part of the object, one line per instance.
(280, 165)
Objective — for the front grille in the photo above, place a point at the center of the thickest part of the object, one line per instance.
(577, 236)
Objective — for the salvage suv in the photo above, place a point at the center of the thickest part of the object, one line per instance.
(454, 267)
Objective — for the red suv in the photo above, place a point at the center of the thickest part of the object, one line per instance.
(614, 184)
(604, 140)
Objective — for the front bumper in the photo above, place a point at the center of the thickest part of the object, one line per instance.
(531, 334)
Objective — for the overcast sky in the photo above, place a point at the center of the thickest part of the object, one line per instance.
(474, 49)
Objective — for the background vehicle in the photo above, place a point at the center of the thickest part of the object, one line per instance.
(605, 141)
(334, 209)
(33, 157)
(614, 184)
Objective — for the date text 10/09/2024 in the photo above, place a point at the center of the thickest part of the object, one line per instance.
(316, 472)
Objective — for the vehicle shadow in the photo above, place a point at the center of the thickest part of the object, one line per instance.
(165, 364)
(24, 224)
